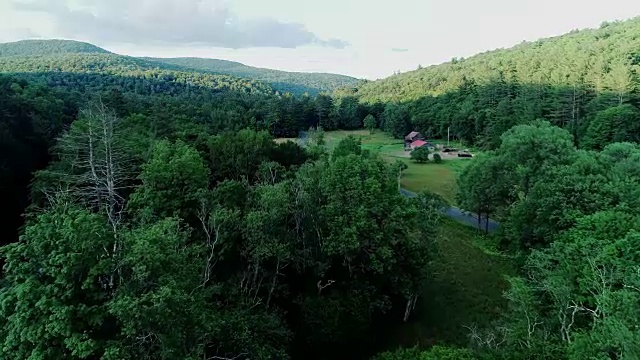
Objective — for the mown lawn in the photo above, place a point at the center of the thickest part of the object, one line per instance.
(438, 178)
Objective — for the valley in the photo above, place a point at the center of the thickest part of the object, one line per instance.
(190, 208)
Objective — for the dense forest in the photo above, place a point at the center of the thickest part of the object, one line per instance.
(151, 215)
(585, 81)
(185, 242)
(283, 81)
(63, 55)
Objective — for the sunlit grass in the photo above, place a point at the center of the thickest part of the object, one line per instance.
(438, 178)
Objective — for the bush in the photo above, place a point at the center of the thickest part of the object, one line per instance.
(420, 155)
(437, 158)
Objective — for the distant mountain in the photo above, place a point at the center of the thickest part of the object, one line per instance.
(81, 66)
(294, 82)
(55, 52)
(48, 47)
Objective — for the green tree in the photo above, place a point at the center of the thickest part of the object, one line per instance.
(485, 186)
(173, 182)
(395, 120)
(57, 287)
(437, 158)
(370, 123)
(616, 124)
(347, 146)
(420, 155)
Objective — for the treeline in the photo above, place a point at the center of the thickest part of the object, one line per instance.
(585, 81)
(203, 97)
(188, 245)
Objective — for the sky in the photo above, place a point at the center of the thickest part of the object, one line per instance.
(362, 38)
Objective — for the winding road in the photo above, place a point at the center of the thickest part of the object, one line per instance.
(461, 216)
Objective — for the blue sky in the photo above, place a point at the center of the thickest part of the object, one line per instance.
(362, 38)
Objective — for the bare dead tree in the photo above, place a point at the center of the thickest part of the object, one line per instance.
(94, 150)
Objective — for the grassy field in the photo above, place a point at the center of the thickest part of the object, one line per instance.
(438, 178)
(465, 289)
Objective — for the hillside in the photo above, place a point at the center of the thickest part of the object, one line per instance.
(62, 54)
(568, 80)
(48, 47)
(294, 82)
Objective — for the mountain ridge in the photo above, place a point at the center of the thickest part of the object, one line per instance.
(283, 81)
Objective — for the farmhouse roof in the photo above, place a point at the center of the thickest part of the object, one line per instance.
(412, 135)
(418, 143)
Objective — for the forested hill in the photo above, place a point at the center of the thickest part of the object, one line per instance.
(62, 55)
(283, 81)
(48, 47)
(568, 80)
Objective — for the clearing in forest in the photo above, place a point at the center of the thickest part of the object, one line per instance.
(437, 178)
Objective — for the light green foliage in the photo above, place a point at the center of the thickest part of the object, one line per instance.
(159, 306)
(57, 280)
(577, 297)
(531, 149)
(420, 155)
(561, 196)
(370, 123)
(581, 291)
(347, 146)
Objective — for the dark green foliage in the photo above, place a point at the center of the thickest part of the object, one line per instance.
(395, 120)
(435, 353)
(293, 82)
(437, 158)
(616, 124)
(420, 155)
(160, 240)
(31, 117)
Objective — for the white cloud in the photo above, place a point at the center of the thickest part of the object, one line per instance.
(183, 22)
